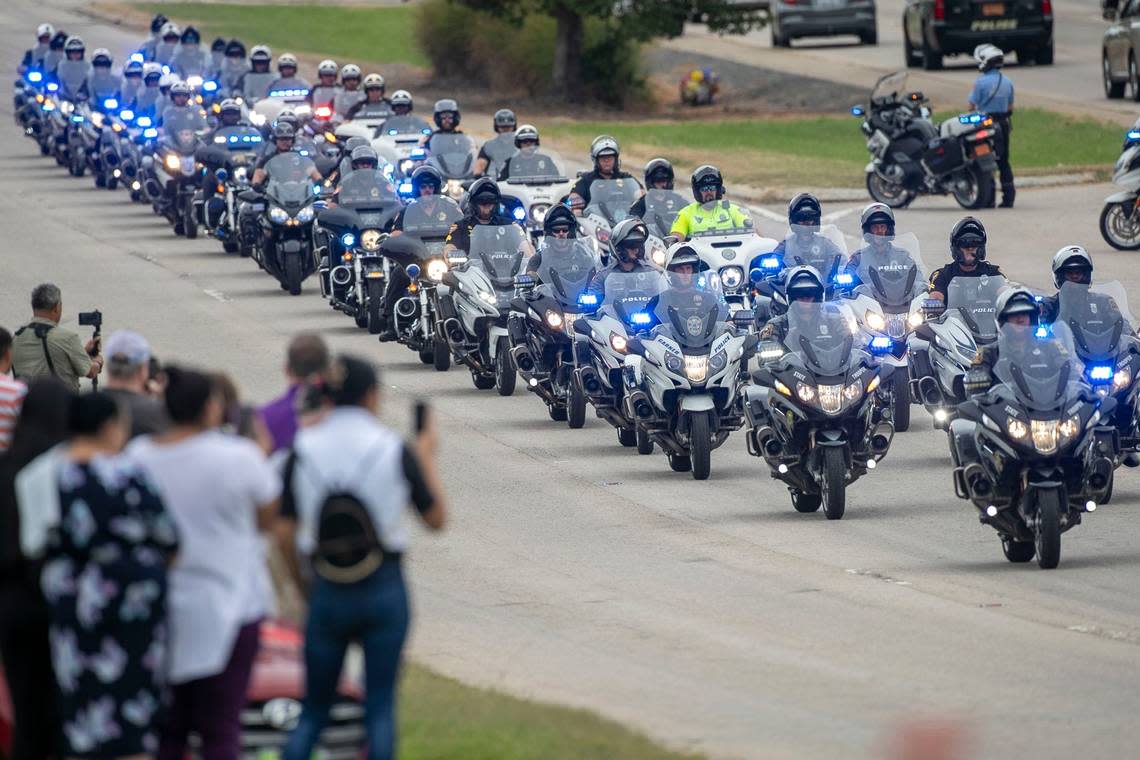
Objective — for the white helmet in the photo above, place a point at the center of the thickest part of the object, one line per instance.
(604, 145)
(327, 66)
(350, 71)
(402, 98)
(286, 59)
(170, 29)
(373, 80)
(150, 68)
(988, 56)
(167, 81)
(526, 132)
(101, 57)
(260, 52)
(45, 30)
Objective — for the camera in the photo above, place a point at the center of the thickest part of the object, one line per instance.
(91, 319)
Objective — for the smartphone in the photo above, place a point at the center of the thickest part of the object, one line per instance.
(421, 416)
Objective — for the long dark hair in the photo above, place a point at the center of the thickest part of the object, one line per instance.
(43, 420)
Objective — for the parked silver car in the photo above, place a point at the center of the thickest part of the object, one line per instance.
(790, 19)
(1119, 48)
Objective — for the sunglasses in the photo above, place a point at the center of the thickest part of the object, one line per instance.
(559, 230)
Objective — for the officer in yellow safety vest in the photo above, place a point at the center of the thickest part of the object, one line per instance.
(710, 212)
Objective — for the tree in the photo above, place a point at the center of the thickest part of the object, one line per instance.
(626, 20)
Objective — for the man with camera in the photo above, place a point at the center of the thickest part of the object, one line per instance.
(42, 348)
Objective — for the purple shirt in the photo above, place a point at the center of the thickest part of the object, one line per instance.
(280, 417)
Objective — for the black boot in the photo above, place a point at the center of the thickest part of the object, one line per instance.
(1007, 194)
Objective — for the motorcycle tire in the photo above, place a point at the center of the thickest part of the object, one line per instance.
(700, 446)
(245, 251)
(293, 275)
(45, 149)
(112, 182)
(834, 483)
(900, 402)
(374, 297)
(441, 355)
(1048, 534)
(628, 437)
(427, 356)
(506, 376)
(1108, 491)
(806, 502)
(100, 179)
(982, 190)
(1017, 551)
(679, 463)
(481, 382)
(1112, 219)
(189, 221)
(557, 413)
(644, 442)
(230, 246)
(78, 166)
(575, 412)
(894, 196)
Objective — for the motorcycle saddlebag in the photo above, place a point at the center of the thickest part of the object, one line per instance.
(943, 155)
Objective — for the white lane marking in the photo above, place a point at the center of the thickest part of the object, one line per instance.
(835, 216)
(769, 214)
(217, 295)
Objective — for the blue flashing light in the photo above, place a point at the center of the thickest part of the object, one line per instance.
(233, 138)
(418, 154)
(426, 131)
(348, 240)
(413, 271)
(405, 188)
(316, 189)
(52, 86)
(138, 57)
(35, 76)
(588, 299)
(303, 152)
(165, 69)
(110, 104)
(77, 118)
(856, 110)
(393, 131)
(210, 86)
(1100, 373)
(519, 213)
(843, 278)
(640, 318)
(1133, 135)
(150, 133)
(971, 118)
(1041, 332)
(126, 114)
(770, 262)
(255, 138)
(881, 344)
(143, 121)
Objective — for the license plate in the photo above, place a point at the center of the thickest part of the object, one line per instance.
(981, 149)
(993, 9)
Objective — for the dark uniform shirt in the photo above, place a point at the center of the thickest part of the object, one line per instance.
(598, 284)
(940, 279)
(460, 234)
(582, 186)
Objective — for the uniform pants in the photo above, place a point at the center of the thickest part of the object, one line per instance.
(1005, 171)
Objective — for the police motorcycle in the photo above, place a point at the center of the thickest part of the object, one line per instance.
(541, 326)
(912, 157)
(111, 158)
(30, 92)
(69, 148)
(498, 149)
(728, 252)
(49, 104)
(352, 270)
(1103, 333)
(284, 93)
(814, 414)
(232, 155)
(453, 154)
(821, 247)
(1035, 452)
(283, 247)
(684, 378)
(369, 121)
(602, 345)
(888, 301)
(174, 174)
(533, 187)
(610, 200)
(661, 210)
(475, 300)
(136, 147)
(397, 137)
(943, 347)
(1120, 217)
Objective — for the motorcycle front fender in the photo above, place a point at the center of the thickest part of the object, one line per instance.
(1126, 196)
(869, 168)
(697, 403)
(290, 247)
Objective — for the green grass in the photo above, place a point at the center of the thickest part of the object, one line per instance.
(359, 34)
(442, 719)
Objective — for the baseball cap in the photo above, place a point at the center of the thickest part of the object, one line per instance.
(128, 347)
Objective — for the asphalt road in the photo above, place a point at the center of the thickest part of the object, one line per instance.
(710, 615)
(1072, 84)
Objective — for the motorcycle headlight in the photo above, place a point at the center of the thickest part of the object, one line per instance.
(97, 119)
(805, 392)
(618, 342)
(1017, 429)
(370, 240)
(830, 398)
(487, 296)
(538, 212)
(1069, 428)
(852, 392)
(172, 162)
(194, 81)
(658, 255)
(256, 119)
(66, 106)
(436, 269)
(1045, 435)
(696, 368)
(731, 277)
(915, 319)
(1122, 378)
(674, 364)
(875, 320)
(240, 175)
(554, 319)
(305, 215)
(718, 361)
(278, 215)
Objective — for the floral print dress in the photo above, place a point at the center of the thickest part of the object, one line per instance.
(105, 581)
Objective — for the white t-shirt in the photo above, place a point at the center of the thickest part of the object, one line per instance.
(212, 484)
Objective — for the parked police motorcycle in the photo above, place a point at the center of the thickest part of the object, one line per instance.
(284, 240)
(943, 347)
(475, 296)
(232, 155)
(912, 157)
(1120, 217)
(1035, 452)
(533, 187)
(684, 378)
(814, 413)
(541, 326)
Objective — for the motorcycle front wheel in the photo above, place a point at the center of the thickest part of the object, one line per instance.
(833, 485)
(700, 446)
(189, 221)
(575, 406)
(895, 196)
(374, 297)
(975, 188)
(1118, 229)
(293, 274)
(1048, 534)
(900, 402)
(505, 374)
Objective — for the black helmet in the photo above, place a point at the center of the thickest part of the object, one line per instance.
(803, 282)
(707, 176)
(190, 36)
(526, 132)
(629, 233)
(157, 23)
(58, 41)
(426, 175)
(364, 154)
(686, 254)
(659, 169)
(283, 130)
(442, 107)
(485, 190)
(218, 45)
(1072, 258)
(235, 48)
(804, 210)
(877, 213)
(504, 117)
(288, 116)
(968, 233)
(1016, 301)
(560, 215)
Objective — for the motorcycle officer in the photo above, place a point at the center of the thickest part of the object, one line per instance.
(101, 84)
(606, 155)
(878, 224)
(402, 103)
(993, 95)
(805, 215)
(217, 55)
(151, 45)
(484, 207)
(189, 59)
(73, 71)
(34, 57)
(709, 211)
(131, 84)
(287, 74)
(1017, 307)
(526, 142)
(233, 68)
(373, 97)
(1070, 264)
(559, 223)
(229, 115)
(150, 97)
(658, 176)
(628, 244)
(362, 158)
(55, 52)
(254, 83)
(446, 116)
(804, 285)
(284, 141)
(968, 249)
(350, 93)
(324, 92)
(168, 44)
(502, 122)
(180, 93)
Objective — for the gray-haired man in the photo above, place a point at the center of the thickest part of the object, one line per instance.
(42, 348)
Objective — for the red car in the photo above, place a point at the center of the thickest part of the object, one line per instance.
(275, 691)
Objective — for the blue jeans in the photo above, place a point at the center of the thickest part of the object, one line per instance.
(373, 612)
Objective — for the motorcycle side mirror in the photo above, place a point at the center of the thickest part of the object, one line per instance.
(857, 111)
(744, 319)
(221, 175)
(320, 205)
(764, 377)
(581, 326)
(756, 275)
(249, 196)
(635, 347)
(750, 344)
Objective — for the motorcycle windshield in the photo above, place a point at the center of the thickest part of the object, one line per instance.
(567, 268)
(716, 221)
(822, 247)
(431, 218)
(102, 86)
(974, 299)
(1098, 317)
(71, 76)
(180, 127)
(499, 251)
(366, 188)
(890, 84)
(891, 270)
(1038, 364)
(661, 209)
(498, 150)
(240, 138)
(823, 336)
(534, 167)
(401, 125)
(289, 180)
(453, 154)
(611, 198)
(628, 296)
(256, 84)
(373, 111)
(691, 309)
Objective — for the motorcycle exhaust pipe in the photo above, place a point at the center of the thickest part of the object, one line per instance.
(881, 438)
(523, 359)
(406, 307)
(341, 276)
(591, 383)
(976, 480)
(929, 391)
(454, 331)
(638, 403)
(153, 188)
(769, 442)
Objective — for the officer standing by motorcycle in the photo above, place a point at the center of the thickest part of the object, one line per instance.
(373, 96)
(606, 155)
(324, 92)
(1070, 264)
(526, 142)
(561, 224)
(993, 95)
(446, 116)
(658, 176)
(709, 211)
(968, 250)
(628, 244)
(34, 57)
(502, 122)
